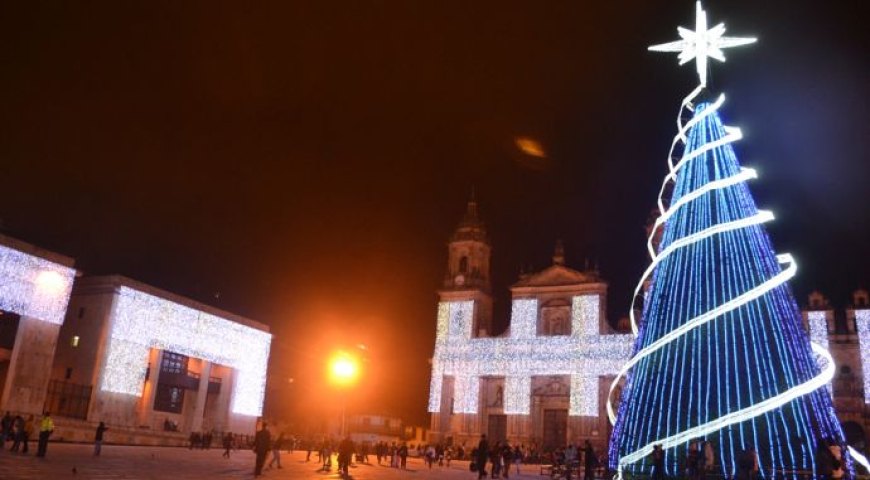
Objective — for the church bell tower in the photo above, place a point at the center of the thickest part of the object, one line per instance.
(468, 273)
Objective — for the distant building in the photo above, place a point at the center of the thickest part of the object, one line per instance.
(154, 366)
(544, 380)
(144, 360)
(374, 428)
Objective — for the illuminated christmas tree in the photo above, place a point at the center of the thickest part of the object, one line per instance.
(721, 353)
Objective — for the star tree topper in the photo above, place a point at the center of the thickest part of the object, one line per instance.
(701, 43)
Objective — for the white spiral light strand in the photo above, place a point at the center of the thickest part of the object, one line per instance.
(732, 134)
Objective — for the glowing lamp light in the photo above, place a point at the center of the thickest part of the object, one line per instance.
(50, 281)
(343, 369)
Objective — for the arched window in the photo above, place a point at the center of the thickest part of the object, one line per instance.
(463, 265)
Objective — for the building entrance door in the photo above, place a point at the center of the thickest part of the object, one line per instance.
(555, 429)
(497, 430)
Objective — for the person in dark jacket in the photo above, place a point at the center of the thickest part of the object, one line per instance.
(345, 456)
(17, 433)
(482, 457)
(403, 456)
(658, 461)
(262, 446)
(824, 460)
(507, 457)
(98, 438)
(495, 459)
(277, 445)
(747, 464)
(6, 424)
(590, 461)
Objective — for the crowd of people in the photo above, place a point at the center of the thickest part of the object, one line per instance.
(497, 460)
(700, 461)
(19, 431)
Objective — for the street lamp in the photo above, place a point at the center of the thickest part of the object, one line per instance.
(343, 372)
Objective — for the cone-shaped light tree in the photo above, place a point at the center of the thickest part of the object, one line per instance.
(721, 353)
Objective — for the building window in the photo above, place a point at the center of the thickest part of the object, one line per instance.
(173, 363)
(463, 265)
(168, 398)
(81, 312)
(68, 374)
(74, 341)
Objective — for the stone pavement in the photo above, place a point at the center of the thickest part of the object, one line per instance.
(147, 463)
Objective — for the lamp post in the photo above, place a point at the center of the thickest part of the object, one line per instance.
(343, 371)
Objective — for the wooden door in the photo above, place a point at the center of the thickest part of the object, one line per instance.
(497, 429)
(555, 429)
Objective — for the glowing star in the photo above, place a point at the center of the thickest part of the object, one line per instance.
(701, 43)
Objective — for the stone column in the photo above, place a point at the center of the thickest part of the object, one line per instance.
(30, 366)
(536, 427)
(146, 407)
(225, 414)
(201, 395)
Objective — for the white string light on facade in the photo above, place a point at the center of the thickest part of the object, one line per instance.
(521, 355)
(34, 287)
(141, 321)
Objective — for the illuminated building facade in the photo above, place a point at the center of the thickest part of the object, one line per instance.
(35, 287)
(846, 333)
(144, 360)
(542, 381)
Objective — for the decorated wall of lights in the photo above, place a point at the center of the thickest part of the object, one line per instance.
(817, 321)
(862, 324)
(522, 354)
(720, 354)
(34, 287)
(140, 322)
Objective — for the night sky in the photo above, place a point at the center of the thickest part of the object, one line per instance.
(303, 164)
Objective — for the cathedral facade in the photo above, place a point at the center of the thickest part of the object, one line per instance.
(544, 381)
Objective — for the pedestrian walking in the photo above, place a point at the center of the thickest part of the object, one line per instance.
(747, 464)
(519, 452)
(482, 456)
(403, 456)
(658, 461)
(28, 432)
(262, 445)
(364, 452)
(692, 461)
(507, 456)
(17, 432)
(429, 456)
(6, 429)
(98, 438)
(227, 442)
(837, 471)
(46, 428)
(277, 445)
(590, 461)
(705, 458)
(345, 456)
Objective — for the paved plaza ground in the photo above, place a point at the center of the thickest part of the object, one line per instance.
(132, 463)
